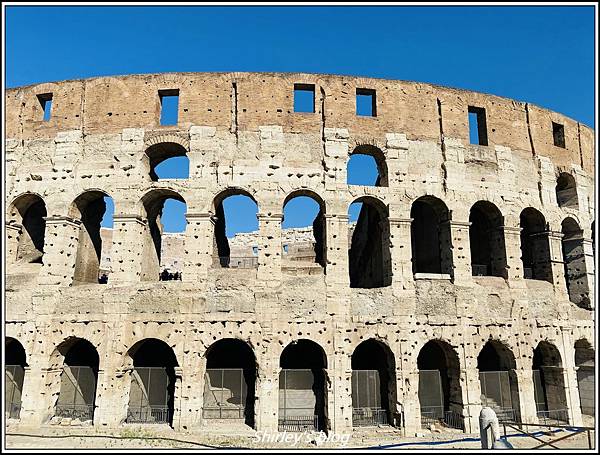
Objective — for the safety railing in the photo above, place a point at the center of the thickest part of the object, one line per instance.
(521, 429)
(149, 414)
(82, 412)
(239, 262)
(366, 417)
(556, 416)
(505, 414)
(436, 414)
(298, 423)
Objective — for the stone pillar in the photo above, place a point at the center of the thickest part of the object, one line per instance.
(401, 253)
(512, 241)
(60, 250)
(337, 251)
(461, 255)
(570, 380)
(127, 249)
(267, 395)
(471, 395)
(31, 411)
(527, 409)
(339, 403)
(178, 402)
(12, 242)
(269, 250)
(197, 247)
(103, 401)
(407, 383)
(557, 264)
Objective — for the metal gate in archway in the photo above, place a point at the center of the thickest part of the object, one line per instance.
(544, 413)
(298, 400)
(77, 393)
(497, 394)
(149, 396)
(431, 400)
(13, 383)
(225, 393)
(367, 408)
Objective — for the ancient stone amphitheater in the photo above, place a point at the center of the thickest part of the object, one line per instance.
(467, 280)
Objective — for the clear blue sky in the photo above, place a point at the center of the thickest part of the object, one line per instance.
(540, 54)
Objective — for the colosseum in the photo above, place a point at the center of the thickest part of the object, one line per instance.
(466, 281)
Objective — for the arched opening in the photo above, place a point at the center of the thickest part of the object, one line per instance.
(498, 379)
(235, 241)
(535, 246)
(367, 167)
(373, 384)
(440, 395)
(167, 160)
(91, 209)
(165, 211)
(229, 381)
(548, 384)
(27, 213)
(370, 263)
(566, 191)
(431, 239)
(14, 374)
(574, 262)
(152, 390)
(303, 387)
(584, 363)
(303, 236)
(486, 238)
(78, 379)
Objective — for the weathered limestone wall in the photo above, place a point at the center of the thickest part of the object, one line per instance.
(240, 133)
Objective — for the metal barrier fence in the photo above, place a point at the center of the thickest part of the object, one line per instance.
(436, 415)
(225, 392)
(13, 383)
(521, 429)
(298, 423)
(366, 417)
(553, 416)
(505, 414)
(149, 414)
(239, 262)
(82, 412)
(479, 269)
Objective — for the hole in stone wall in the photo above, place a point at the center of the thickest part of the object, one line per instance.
(304, 98)
(366, 102)
(430, 236)
(367, 166)
(45, 101)
(167, 160)
(477, 126)
(535, 246)
(566, 191)
(574, 263)
(169, 106)
(558, 134)
(486, 238)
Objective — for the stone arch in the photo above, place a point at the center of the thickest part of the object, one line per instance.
(574, 263)
(380, 161)
(221, 246)
(14, 375)
(374, 392)
(585, 366)
(230, 381)
(486, 238)
(152, 204)
(153, 382)
(162, 147)
(78, 362)
(303, 386)
(431, 239)
(566, 191)
(370, 264)
(319, 227)
(535, 245)
(440, 393)
(549, 383)
(498, 379)
(88, 208)
(26, 229)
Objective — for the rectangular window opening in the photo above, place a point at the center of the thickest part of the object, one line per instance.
(366, 104)
(169, 106)
(477, 126)
(558, 131)
(304, 98)
(45, 100)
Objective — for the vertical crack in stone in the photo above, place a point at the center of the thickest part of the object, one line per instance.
(579, 141)
(234, 111)
(83, 97)
(529, 129)
(443, 145)
(322, 117)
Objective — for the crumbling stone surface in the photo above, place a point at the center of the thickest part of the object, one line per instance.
(241, 135)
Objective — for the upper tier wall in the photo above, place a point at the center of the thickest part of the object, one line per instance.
(245, 101)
